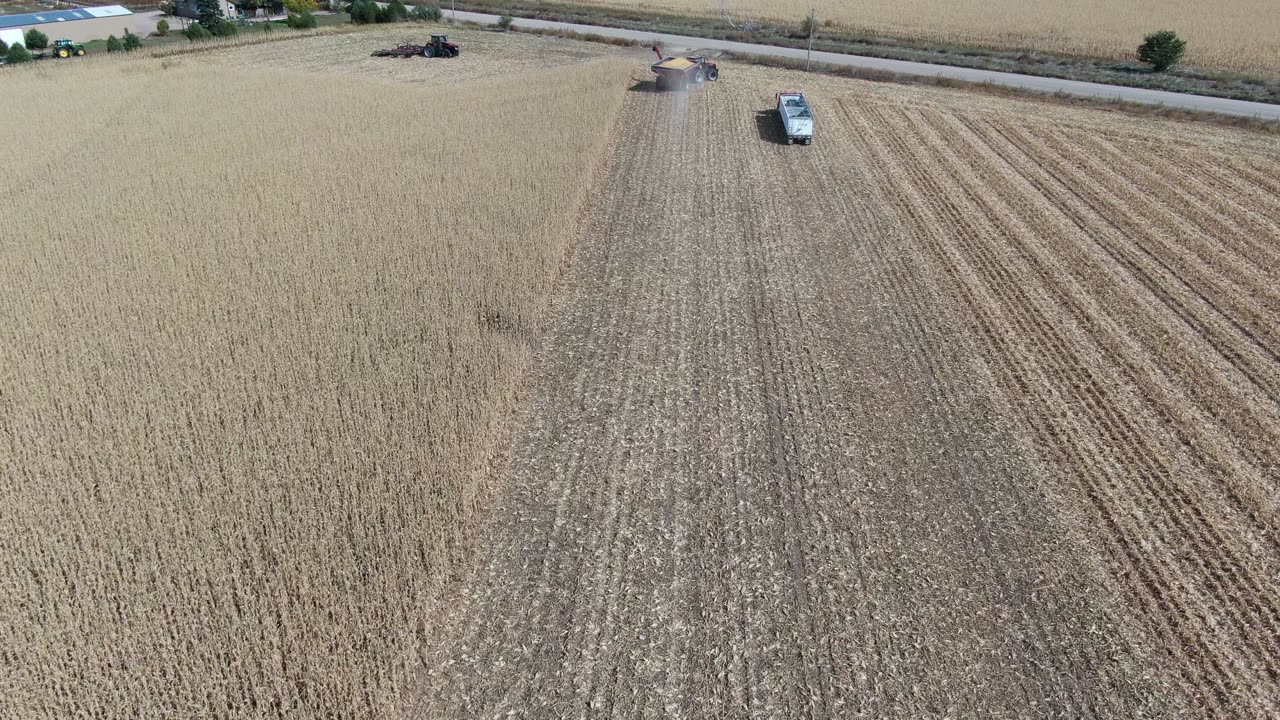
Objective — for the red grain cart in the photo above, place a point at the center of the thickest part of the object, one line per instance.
(678, 73)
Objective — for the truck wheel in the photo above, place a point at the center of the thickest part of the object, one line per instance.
(713, 74)
(428, 52)
(79, 51)
(699, 76)
(62, 52)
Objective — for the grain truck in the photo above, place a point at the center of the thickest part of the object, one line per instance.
(796, 117)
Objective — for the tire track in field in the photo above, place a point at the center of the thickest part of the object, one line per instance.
(757, 479)
(1249, 593)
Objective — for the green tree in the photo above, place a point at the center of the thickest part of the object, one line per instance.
(225, 28)
(169, 7)
(397, 12)
(209, 12)
(297, 7)
(198, 32)
(17, 54)
(504, 23)
(268, 26)
(301, 21)
(35, 40)
(364, 12)
(162, 27)
(427, 13)
(4, 47)
(131, 41)
(1161, 50)
(114, 44)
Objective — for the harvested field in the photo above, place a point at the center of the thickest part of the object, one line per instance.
(262, 335)
(968, 410)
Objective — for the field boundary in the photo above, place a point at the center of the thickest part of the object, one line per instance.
(1028, 61)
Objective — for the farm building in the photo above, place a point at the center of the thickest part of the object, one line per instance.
(79, 24)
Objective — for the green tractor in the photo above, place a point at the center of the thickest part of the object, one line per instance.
(64, 48)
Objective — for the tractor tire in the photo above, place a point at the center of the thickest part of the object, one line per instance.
(428, 52)
(64, 53)
(713, 74)
(79, 52)
(698, 77)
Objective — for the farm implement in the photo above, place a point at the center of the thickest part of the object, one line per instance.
(438, 47)
(678, 73)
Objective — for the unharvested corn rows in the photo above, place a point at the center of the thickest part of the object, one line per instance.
(260, 335)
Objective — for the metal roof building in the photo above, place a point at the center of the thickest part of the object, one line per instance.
(51, 16)
(79, 24)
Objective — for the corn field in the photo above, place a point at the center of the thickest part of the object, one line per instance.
(261, 334)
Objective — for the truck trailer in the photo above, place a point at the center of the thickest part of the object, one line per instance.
(796, 117)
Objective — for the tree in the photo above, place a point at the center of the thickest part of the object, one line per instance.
(1161, 50)
(162, 27)
(209, 13)
(17, 54)
(427, 13)
(397, 11)
(301, 21)
(114, 44)
(225, 28)
(4, 47)
(808, 26)
(169, 7)
(198, 32)
(297, 7)
(504, 23)
(364, 12)
(131, 41)
(35, 40)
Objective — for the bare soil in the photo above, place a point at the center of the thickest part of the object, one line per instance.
(968, 410)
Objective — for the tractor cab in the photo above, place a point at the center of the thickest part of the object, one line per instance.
(440, 47)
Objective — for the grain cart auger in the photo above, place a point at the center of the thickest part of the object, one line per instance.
(678, 73)
(438, 47)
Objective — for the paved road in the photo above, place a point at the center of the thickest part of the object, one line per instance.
(1034, 83)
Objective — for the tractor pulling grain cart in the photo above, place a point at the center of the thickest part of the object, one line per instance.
(796, 117)
(678, 73)
(438, 47)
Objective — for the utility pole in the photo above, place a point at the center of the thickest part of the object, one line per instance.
(813, 22)
(454, 7)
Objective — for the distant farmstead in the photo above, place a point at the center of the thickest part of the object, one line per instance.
(78, 24)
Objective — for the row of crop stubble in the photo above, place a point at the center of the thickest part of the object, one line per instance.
(1123, 291)
(261, 337)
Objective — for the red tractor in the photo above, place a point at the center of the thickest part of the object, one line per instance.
(678, 73)
(438, 47)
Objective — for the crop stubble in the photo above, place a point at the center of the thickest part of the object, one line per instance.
(890, 426)
(1123, 291)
